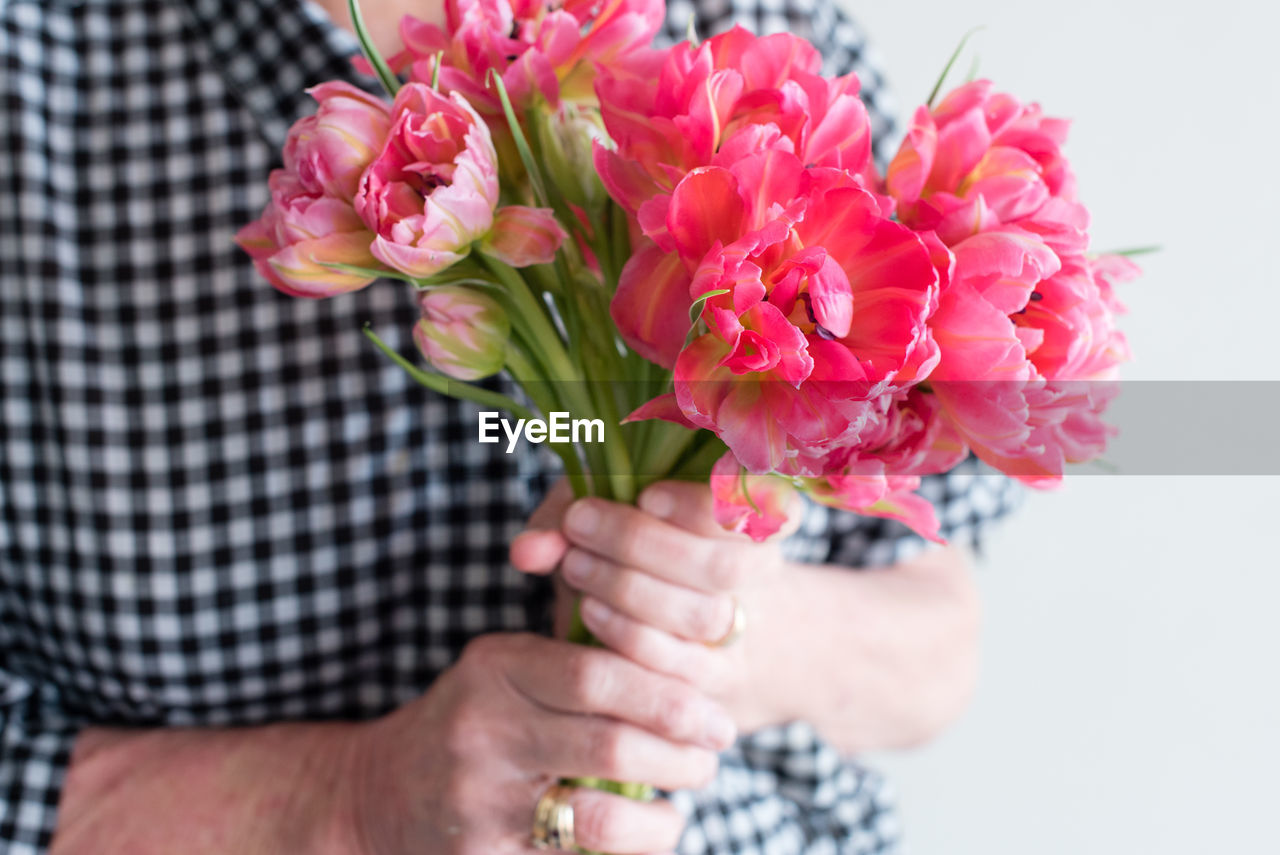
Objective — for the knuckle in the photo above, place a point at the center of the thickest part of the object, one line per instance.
(627, 587)
(671, 825)
(631, 641)
(595, 819)
(705, 766)
(724, 567)
(462, 734)
(710, 671)
(630, 537)
(707, 618)
(457, 789)
(609, 751)
(484, 652)
(677, 715)
(588, 677)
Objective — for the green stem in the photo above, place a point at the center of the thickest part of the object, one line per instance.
(699, 457)
(610, 464)
(523, 372)
(447, 386)
(667, 443)
(380, 68)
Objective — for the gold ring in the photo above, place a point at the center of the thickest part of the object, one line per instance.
(553, 820)
(735, 631)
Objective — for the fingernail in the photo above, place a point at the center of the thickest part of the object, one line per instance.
(583, 518)
(595, 612)
(658, 502)
(719, 729)
(576, 567)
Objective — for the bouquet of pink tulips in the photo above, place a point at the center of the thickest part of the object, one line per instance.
(693, 248)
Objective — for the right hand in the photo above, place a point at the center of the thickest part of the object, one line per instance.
(459, 771)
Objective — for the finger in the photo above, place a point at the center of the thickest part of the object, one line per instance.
(540, 547)
(691, 614)
(570, 678)
(632, 538)
(691, 507)
(538, 552)
(656, 650)
(605, 822)
(586, 746)
(685, 504)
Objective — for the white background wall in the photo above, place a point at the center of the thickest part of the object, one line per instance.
(1131, 695)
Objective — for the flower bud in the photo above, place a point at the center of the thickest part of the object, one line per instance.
(463, 333)
(566, 139)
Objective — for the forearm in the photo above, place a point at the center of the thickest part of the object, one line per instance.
(874, 659)
(274, 789)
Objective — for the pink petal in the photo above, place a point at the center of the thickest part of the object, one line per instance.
(760, 510)
(664, 407)
(300, 267)
(705, 210)
(418, 262)
(524, 236)
(651, 305)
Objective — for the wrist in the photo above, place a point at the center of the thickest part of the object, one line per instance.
(771, 648)
(344, 831)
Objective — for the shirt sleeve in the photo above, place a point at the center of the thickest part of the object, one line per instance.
(35, 750)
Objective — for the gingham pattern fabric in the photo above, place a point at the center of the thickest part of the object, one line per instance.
(218, 504)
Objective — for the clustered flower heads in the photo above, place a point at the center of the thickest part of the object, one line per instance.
(408, 189)
(855, 334)
(842, 333)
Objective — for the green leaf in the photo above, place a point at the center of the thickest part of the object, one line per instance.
(448, 386)
(942, 78)
(1137, 250)
(522, 144)
(746, 491)
(972, 74)
(435, 72)
(389, 81)
(1106, 466)
(695, 310)
(366, 44)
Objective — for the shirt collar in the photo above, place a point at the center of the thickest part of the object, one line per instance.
(271, 51)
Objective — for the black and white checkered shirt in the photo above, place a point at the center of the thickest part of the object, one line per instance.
(219, 505)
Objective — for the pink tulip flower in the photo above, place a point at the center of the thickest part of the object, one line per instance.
(825, 305)
(754, 505)
(432, 191)
(309, 221)
(735, 92)
(301, 232)
(982, 159)
(1026, 320)
(463, 333)
(906, 438)
(540, 50)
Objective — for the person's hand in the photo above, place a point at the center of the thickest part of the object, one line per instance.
(460, 770)
(659, 584)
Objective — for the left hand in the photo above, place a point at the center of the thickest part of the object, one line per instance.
(658, 584)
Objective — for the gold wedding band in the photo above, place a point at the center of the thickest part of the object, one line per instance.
(735, 631)
(553, 820)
